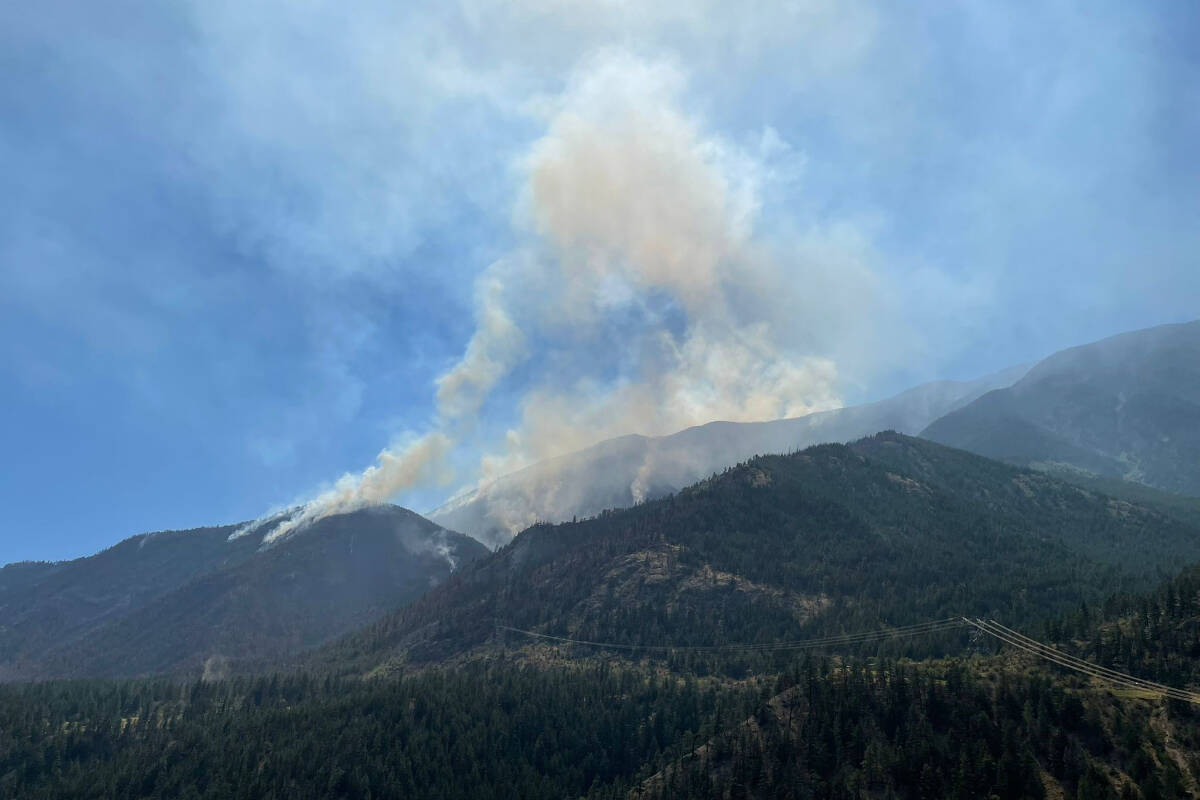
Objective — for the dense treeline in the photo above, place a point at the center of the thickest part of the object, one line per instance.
(1153, 634)
(896, 731)
(818, 729)
(478, 732)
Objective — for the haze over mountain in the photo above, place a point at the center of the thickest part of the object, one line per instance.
(1126, 407)
(620, 472)
(173, 601)
(178, 600)
(890, 529)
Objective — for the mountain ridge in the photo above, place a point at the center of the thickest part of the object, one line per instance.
(1126, 407)
(238, 601)
(888, 530)
(619, 472)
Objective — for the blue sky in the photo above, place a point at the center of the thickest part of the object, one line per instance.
(242, 242)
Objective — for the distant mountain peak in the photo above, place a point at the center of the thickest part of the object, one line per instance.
(1126, 407)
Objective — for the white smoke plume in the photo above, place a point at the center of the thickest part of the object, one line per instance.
(394, 471)
(643, 297)
(630, 201)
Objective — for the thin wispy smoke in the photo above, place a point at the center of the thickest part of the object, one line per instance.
(643, 299)
(496, 346)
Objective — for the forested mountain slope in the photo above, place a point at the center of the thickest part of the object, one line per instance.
(1127, 407)
(1183, 507)
(1154, 634)
(183, 600)
(50, 605)
(819, 727)
(890, 529)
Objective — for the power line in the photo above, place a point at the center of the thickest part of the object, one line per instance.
(935, 626)
(1056, 656)
(990, 627)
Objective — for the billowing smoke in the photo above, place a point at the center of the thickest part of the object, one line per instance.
(643, 300)
(635, 208)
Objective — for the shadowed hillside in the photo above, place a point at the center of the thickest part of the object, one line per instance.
(179, 601)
